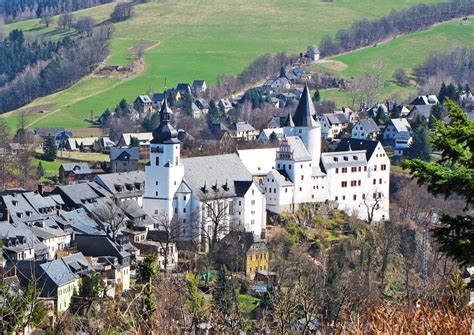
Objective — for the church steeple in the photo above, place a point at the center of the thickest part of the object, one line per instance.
(165, 132)
(305, 112)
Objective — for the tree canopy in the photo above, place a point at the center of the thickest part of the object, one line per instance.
(453, 174)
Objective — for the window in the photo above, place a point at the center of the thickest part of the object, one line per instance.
(286, 190)
(176, 210)
(253, 192)
(253, 202)
(336, 198)
(157, 161)
(344, 170)
(289, 167)
(302, 177)
(375, 167)
(274, 190)
(156, 193)
(365, 168)
(278, 166)
(156, 211)
(358, 183)
(375, 181)
(343, 183)
(343, 197)
(380, 180)
(360, 168)
(383, 167)
(184, 210)
(240, 203)
(301, 166)
(184, 198)
(301, 189)
(337, 170)
(353, 183)
(252, 212)
(252, 221)
(363, 196)
(375, 195)
(354, 197)
(156, 183)
(353, 169)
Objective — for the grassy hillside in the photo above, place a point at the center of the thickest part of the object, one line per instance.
(196, 39)
(403, 52)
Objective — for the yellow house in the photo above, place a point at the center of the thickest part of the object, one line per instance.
(257, 259)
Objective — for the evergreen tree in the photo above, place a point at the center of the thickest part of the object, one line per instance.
(213, 115)
(222, 293)
(317, 96)
(40, 169)
(438, 113)
(145, 273)
(381, 118)
(90, 287)
(134, 142)
(420, 148)
(452, 174)
(452, 93)
(282, 72)
(396, 112)
(50, 149)
(443, 92)
(187, 103)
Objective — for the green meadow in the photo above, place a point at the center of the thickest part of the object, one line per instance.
(200, 39)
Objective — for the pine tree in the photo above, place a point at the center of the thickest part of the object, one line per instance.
(282, 72)
(381, 117)
(396, 112)
(222, 293)
(187, 103)
(213, 115)
(453, 174)
(50, 149)
(443, 92)
(40, 169)
(420, 148)
(438, 113)
(134, 142)
(317, 96)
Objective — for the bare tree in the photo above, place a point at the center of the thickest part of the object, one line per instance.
(5, 161)
(114, 215)
(372, 202)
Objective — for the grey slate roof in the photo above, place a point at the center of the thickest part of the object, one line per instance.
(241, 126)
(330, 160)
(300, 153)
(347, 144)
(124, 153)
(111, 181)
(221, 171)
(400, 124)
(420, 110)
(369, 125)
(77, 168)
(100, 245)
(82, 223)
(78, 194)
(280, 177)
(305, 111)
(19, 207)
(20, 231)
(41, 204)
(337, 118)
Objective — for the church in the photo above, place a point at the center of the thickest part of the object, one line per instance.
(206, 197)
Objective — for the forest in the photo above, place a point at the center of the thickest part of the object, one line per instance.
(30, 69)
(455, 66)
(17, 10)
(367, 32)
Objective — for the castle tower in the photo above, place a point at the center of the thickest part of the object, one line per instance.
(306, 127)
(164, 172)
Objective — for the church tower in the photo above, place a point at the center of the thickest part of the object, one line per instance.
(164, 173)
(304, 125)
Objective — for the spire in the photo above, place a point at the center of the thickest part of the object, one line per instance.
(304, 115)
(165, 132)
(289, 121)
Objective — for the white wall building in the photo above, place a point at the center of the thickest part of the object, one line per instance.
(356, 175)
(198, 192)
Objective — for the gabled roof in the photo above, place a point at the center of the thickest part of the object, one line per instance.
(124, 153)
(348, 144)
(425, 100)
(369, 125)
(420, 110)
(111, 180)
(241, 127)
(99, 245)
(336, 119)
(300, 153)
(77, 168)
(214, 176)
(280, 177)
(183, 87)
(158, 97)
(400, 124)
(78, 194)
(258, 161)
(305, 111)
(43, 132)
(289, 121)
(145, 99)
(198, 83)
(350, 158)
(82, 223)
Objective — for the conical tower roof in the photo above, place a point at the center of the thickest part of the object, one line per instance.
(304, 114)
(165, 132)
(289, 121)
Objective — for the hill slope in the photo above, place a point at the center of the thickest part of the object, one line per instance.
(196, 39)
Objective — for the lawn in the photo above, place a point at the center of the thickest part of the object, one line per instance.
(197, 39)
(405, 52)
(247, 303)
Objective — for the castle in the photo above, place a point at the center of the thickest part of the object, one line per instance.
(206, 197)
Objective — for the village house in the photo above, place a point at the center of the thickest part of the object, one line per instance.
(333, 125)
(80, 143)
(126, 139)
(198, 87)
(423, 111)
(124, 159)
(71, 173)
(225, 105)
(270, 134)
(157, 100)
(143, 104)
(242, 131)
(257, 259)
(123, 186)
(365, 129)
(425, 100)
(398, 134)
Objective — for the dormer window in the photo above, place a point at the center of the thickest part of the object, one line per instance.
(336, 159)
(355, 158)
(14, 202)
(346, 158)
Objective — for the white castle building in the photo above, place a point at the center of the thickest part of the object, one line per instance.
(201, 195)
(215, 194)
(356, 175)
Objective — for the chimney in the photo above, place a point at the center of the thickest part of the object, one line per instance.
(6, 215)
(40, 189)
